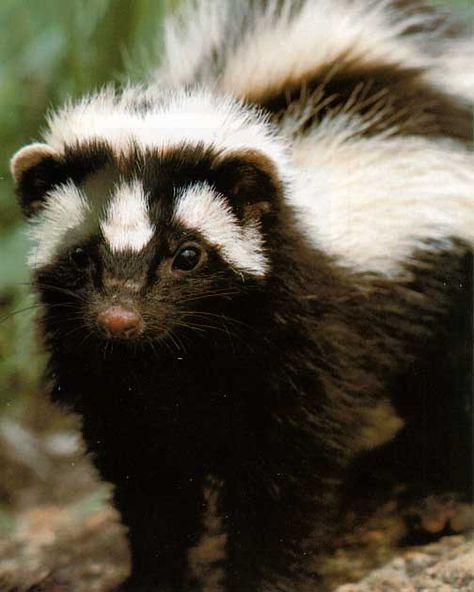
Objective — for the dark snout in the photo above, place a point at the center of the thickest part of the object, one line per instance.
(118, 313)
(120, 322)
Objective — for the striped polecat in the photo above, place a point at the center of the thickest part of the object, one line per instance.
(249, 265)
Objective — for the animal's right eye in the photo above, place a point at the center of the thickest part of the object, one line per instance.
(80, 258)
(187, 258)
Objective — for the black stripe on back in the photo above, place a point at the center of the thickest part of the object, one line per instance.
(399, 95)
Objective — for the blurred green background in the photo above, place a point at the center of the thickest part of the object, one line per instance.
(49, 50)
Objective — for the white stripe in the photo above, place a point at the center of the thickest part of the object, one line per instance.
(65, 220)
(178, 118)
(322, 32)
(127, 225)
(373, 201)
(202, 209)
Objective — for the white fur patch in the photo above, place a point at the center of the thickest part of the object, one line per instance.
(180, 118)
(453, 70)
(202, 209)
(65, 220)
(190, 38)
(71, 215)
(279, 45)
(127, 225)
(323, 32)
(373, 201)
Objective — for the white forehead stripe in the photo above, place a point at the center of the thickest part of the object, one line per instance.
(64, 220)
(202, 209)
(127, 225)
(193, 118)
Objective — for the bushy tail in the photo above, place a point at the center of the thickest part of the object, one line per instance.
(402, 58)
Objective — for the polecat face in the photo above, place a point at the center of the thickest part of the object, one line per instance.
(144, 245)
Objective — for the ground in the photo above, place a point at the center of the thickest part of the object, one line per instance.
(57, 527)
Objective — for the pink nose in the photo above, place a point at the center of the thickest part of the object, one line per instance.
(118, 321)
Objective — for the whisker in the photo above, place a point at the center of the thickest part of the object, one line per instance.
(72, 331)
(164, 340)
(87, 336)
(224, 319)
(19, 311)
(181, 343)
(214, 294)
(200, 327)
(61, 290)
(173, 339)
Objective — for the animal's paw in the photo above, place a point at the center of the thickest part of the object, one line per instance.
(441, 514)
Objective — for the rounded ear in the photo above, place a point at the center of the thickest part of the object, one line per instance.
(35, 169)
(250, 180)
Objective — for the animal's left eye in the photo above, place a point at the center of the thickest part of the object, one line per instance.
(80, 258)
(187, 258)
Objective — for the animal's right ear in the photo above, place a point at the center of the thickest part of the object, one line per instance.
(35, 168)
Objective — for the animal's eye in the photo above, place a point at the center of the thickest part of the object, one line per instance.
(80, 258)
(187, 258)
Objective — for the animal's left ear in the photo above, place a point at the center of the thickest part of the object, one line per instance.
(35, 168)
(251, 182)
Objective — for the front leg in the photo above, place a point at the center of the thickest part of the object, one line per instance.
(158, 491)
(274, 537)
(163, 520)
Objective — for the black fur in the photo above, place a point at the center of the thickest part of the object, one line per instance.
(401, 94)
(36, 182)
(263, 385)
(242, 410)
(75, 165)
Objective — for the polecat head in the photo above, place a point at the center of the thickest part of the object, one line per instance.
(143, 217)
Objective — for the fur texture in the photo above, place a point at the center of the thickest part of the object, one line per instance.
(288, 209)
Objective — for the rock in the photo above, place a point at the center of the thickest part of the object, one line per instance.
(444, 566)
